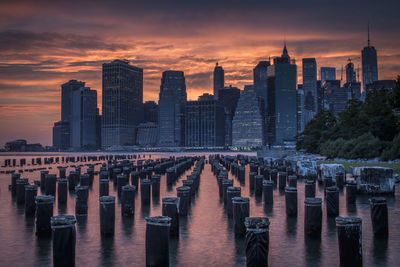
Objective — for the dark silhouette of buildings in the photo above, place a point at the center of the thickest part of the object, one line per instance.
(228, 97)
(352, 85)
(21, 145)
(171, 107)
(150, 111)
(219, 80)
(122, 103)
(204, 125)
(309, 89)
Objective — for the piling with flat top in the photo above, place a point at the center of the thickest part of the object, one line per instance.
(170, 208)
(72, 180)
(43, 180)
(21, 190)
(379, 216)
(30, 195)
(122, 180)
(50, 187)
(291, 201)
(107, 215)
(184, 196)
(292, 180)
(309, 189)
(225, 184)
(257, 241)
(231, 192)
(82, 195)
(312, 217)
(351, 191)
(155, 185)
(145, 190)
(251, 180)
(274, 176)
(64, 240)
(340, 179)
(14, 178)
(332, 201)
(349, 232)
(44, 211)
(135, 178)
(62, 190)
(157, 240)
(128, 200)
(104, 187)
(258, 185)
(327, 182)
(241, 210)
(62, 172)
(84, 179)
(268, 191)
(282, 176)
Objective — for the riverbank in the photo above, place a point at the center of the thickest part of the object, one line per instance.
(394, 165)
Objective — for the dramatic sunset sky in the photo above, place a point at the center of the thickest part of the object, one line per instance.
(45, 43)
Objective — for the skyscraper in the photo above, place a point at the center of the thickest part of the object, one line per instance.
(171, 109)
(369, 64)
(310, 88)
(300, 109)
(248, 122)
(328, 73)
(352, 86)
(66, 95)
(83, 119)
(62, 129)
(260, 79)
(219, 80)
(150, 111)
(122, 103)
(228, 97)
(204, 125)
(282, 108)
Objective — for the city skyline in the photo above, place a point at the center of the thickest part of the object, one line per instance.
(43, 45)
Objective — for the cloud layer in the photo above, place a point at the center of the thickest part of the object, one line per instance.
(44, 44)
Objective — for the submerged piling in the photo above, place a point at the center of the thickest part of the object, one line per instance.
(332, 201)
(30, 195)
(170, 208)
(379, 217)
(309, 189)
(349, 232)
(291, 201)
(128, 200)
(183, 194)
(107, 215)
(82, 195)
(21, 190)
(145, 190)
(50, 187)
(64, 240)
(231, 192)
(103, 187)
(62, 190)
(157, 240)
(268, 191)
(312, 217)
(44, 212)
(351, 191)
(257, 241)
(258, 185)
(241, 210)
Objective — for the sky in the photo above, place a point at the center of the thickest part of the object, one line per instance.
(43, 44)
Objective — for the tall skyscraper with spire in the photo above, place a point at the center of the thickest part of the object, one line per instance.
(282, 100)
(369, 64)
(219, 80)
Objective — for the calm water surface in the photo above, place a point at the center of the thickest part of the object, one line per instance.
(206, 235)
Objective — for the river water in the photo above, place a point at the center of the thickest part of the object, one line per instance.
(206, 236)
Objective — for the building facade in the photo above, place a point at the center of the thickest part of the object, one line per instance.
(122, 100)
(171, 109)
(336, 97)
(282, 103)
(147, 134)
(204, 125)
(67, 90)
(300, 109)
(83, 124)
(260, 79)
(150, 111)
(248, 121)
(61, 135)
(327, 73)
(219, 80)
(310, 88)
(369, 64)
(229, 97)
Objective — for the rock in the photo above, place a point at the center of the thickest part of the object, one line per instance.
(330, 170)
(377, 180)
(306, 169)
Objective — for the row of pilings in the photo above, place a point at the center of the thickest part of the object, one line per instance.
(267, 176)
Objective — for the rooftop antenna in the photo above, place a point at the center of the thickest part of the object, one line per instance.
(341, 75)
(368, 36)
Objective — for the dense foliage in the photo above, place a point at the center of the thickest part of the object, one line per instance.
(363, 130)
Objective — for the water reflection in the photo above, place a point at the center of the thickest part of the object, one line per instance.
(127, 224)
(313, 250)
(380, 248)
(291, 225)
(107, 250)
